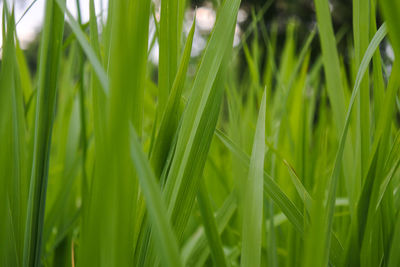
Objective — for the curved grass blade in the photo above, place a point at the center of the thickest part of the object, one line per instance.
(271, 187)
(277, 195)
(391, 11)
(324, 240)
(198, 124)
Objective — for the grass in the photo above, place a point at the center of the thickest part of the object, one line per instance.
(286, 156)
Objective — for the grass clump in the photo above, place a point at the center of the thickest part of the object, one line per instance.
(248, 161)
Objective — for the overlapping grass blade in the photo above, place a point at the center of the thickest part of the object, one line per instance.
(332, 185)
(273, 190)
(195, 251)
(113, 201)
(164, 235)
(12, 155)
(361, 29)
(391, 11)
(89, 51)
(50, 53)
(169, 39)
(210, 228)
(170, 117)
(140, 137)
(330, 59)
(199, 120)
(394, 257)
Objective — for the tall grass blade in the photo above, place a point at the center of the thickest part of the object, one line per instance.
(50, 53)
(163, 231)
(210, 227)
(170, 38)
(170, 117)
(251, 248)
(199, 120)
(13, 165)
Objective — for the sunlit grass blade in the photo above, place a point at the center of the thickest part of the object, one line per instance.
(330, 59)
(253, 200)
(198, 124)
(169, 39)
(199, 120)
(361, 29)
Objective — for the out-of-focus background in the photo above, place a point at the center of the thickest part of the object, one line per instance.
(274, 14)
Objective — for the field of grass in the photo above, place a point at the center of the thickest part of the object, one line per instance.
(253, 155)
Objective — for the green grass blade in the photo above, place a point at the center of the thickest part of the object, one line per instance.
(12, 163)
(199, 120)
(271, 187)
(377, 74)
(98, 95)
(330, 59)
(277, 195)
(165, 238)
(198, 125)
(170, 116)
(214, 240)
(361, 29)
(253, 213)
(107, 148)
(393, 164)
(335, 89)
(196, 250)
(50, 52)
(113, 201)
(391, 11)
(89, 51)
(324, 240)
(169, 39)
(394, 257)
